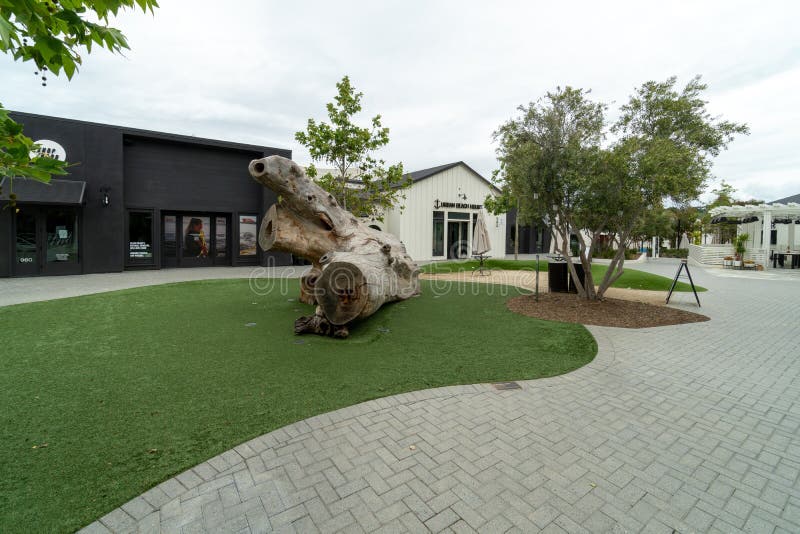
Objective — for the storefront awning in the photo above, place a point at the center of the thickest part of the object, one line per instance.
(62, 192)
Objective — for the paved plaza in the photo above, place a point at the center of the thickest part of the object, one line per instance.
(690, 428)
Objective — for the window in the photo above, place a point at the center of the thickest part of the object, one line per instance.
(140, 236)
(247, 235)
(438, 233)
(773, 237)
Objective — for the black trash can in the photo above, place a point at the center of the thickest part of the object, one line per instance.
(559, 279)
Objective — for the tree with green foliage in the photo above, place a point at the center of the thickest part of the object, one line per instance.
(361, 183)
(684, 219)
(553, 160)
(656, 222)
(52, 34)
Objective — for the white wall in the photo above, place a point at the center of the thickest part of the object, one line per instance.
(754, 230)
(414, 225)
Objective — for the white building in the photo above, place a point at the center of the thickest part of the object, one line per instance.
(771, 231)
(440, 211)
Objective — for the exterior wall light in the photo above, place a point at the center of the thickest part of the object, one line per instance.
(105, 199)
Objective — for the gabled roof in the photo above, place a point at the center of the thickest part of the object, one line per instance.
(420, 175)
(787, 200)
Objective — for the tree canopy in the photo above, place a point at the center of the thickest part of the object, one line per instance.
(554, 160)
(361, 183)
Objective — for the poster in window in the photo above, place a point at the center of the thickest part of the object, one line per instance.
(195, 236)
(247, 235)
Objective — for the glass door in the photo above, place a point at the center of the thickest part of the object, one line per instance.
(46, 241)
(27, 242)
(196, 241)
(221, 247)
(457, 239)
(169, 241)
(61, 241)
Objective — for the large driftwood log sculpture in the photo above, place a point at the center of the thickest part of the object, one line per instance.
(355, 269)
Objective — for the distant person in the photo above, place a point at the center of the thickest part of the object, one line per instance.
(194, 245)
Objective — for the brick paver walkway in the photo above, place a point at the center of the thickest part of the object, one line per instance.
(691, 428)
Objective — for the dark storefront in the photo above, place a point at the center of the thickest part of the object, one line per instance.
(134, 199)
(532, 239)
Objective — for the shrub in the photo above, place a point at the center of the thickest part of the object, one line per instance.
(674, 253)
(608, 253)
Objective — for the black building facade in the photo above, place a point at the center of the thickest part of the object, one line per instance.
(134, 199)
(533, 239)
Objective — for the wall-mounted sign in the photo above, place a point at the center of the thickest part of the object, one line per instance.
(45, 148)
(437, 205)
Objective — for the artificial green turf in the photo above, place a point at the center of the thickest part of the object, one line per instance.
(630, 279)
(130, 388)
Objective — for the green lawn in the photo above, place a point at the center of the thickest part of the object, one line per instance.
(127, 389)
(630, 279)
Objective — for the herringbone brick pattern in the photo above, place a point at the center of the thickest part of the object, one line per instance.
(691, 428)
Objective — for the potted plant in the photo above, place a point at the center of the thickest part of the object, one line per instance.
(740, 247)
(727, 261)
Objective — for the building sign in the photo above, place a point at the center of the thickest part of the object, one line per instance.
(437, 205)
(46, 148)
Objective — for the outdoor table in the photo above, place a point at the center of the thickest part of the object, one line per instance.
(794, 258)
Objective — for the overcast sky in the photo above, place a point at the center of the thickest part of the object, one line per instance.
(443, 75)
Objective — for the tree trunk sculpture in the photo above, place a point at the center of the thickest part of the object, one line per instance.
(355, 269)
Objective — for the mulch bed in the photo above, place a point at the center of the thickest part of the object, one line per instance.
(569, 308)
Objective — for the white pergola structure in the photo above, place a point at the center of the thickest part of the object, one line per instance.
(758, 221)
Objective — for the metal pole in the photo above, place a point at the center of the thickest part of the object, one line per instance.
(516, 233)
(536, 295)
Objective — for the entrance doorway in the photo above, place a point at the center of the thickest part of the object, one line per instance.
(457, 238)
(46, 241)
(195, 240)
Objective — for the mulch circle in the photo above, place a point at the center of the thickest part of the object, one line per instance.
(568, 308)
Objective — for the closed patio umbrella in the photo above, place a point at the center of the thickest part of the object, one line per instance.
(684, 241)
(480, 237)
